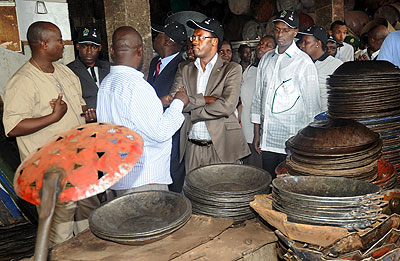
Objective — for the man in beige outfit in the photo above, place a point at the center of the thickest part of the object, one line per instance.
(44, 99)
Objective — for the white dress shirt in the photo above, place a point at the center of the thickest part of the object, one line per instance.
(199, 129)
(165, 61)
(246, 95)
(126, 99)
(286, 98)
(345, 53)
(325, 65)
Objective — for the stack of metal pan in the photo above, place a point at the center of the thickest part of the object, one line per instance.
(225, 190)
(335, 148)
(140, 217)
(369, 92)
(328, 201)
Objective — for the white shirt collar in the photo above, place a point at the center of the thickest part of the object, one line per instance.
(289, 51)
(374, 54)
(166, 60)
(209, 65)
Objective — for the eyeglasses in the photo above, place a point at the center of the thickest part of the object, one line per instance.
(199, 38)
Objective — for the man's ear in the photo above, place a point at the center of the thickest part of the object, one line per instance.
(43, 44)
(330, 32)
(77, 45)
(139, 51)
(214, 41)
(112, 51)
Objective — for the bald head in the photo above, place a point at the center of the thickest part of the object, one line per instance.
(127, 47)
(376, 36)
(38, 32)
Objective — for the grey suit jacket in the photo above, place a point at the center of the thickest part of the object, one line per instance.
(89, 87)
(222, 124)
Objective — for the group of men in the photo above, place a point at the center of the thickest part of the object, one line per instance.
(185, 111)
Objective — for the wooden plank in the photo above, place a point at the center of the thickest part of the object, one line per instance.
(234, 243)
(198, 230)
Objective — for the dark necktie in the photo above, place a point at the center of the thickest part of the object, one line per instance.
(157, 69)
(93, 74)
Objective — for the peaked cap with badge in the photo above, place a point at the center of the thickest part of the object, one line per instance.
(290, 18)
(89, 35)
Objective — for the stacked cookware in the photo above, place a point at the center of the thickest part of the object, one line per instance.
(343, 202)
(369, 92)
(140, 217)
(334, 148)
(225, 190)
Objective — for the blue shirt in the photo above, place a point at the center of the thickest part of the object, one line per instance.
(390, 49)
(126, 99)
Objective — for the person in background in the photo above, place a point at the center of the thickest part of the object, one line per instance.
(266, 44)
(375, 39)
(189, 51)
(169, 44)
(287, 94)
(211, 132)
(331, 46)
(225, 52)
(345, 51)
(390, 49)
(90, 70)
(126, 99)
(314, 43)
(244, 52)
(43, 99)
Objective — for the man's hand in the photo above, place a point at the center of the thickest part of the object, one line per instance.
(256, 138)
(182, 95)
(59, 107)
(166, 100)
(90, 115)
(362, 58)
(209, 99)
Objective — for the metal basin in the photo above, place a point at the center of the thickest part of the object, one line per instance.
(140, 216)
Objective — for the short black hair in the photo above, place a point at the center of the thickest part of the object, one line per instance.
(35, 32)
(337, 22)
(242, 47)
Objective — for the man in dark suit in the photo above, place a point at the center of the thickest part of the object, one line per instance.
(211, 132)
(169, 43)
(90, 70)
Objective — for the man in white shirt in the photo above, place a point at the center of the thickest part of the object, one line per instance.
(376, 36)
(314, 42)
(126, 99)
(345, 52)
(287, 94)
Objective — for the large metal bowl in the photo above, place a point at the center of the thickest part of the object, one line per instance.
(140, 217)
(333, 136)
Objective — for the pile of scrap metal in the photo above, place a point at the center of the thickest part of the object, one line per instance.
(312, 242)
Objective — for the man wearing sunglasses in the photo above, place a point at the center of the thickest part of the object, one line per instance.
(287, 94)
(211, 132)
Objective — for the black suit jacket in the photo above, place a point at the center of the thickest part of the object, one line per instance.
(89, 87)
(164, 81)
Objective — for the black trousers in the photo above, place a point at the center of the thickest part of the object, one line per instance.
(270, 160)
(177, 169)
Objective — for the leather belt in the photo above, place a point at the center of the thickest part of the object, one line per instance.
(201, 142)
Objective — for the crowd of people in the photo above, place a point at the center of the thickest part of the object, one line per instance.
(196, 107)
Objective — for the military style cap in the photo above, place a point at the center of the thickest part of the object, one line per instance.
(318, 32)
(209, 24)
(89, 35)
(176, 31)
(290, 18)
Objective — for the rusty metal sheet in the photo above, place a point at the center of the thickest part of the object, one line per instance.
(9, 34)
(94, 156)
